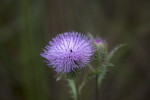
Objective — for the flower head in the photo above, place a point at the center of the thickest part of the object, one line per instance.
(69, 51)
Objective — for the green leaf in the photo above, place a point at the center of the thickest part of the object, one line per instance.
(101, 76)
(109, 64)
(90, 35)
(111, 54)
(90, 67)
(106, 64)
(89, 76)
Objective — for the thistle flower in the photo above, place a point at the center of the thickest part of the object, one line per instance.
(68, 52)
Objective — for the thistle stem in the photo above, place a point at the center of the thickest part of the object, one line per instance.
(101, 76)
(73, 88)
(97, 89)
(97, 75)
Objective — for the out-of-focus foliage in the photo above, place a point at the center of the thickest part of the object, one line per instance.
(26, 26)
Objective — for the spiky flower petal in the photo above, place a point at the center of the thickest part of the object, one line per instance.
(69, 51)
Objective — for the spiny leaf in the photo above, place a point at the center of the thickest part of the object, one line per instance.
(109, 64)
(93, 73)
(90, 35)
(110, 55)
(89, 76)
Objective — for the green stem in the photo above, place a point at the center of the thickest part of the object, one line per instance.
(96, 88)
(98, 60)
(73, 87)
(101, 76)
(97, 85)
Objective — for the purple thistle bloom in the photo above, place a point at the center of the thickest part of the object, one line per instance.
(69, 51)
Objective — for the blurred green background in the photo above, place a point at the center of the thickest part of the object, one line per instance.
(26, 26)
